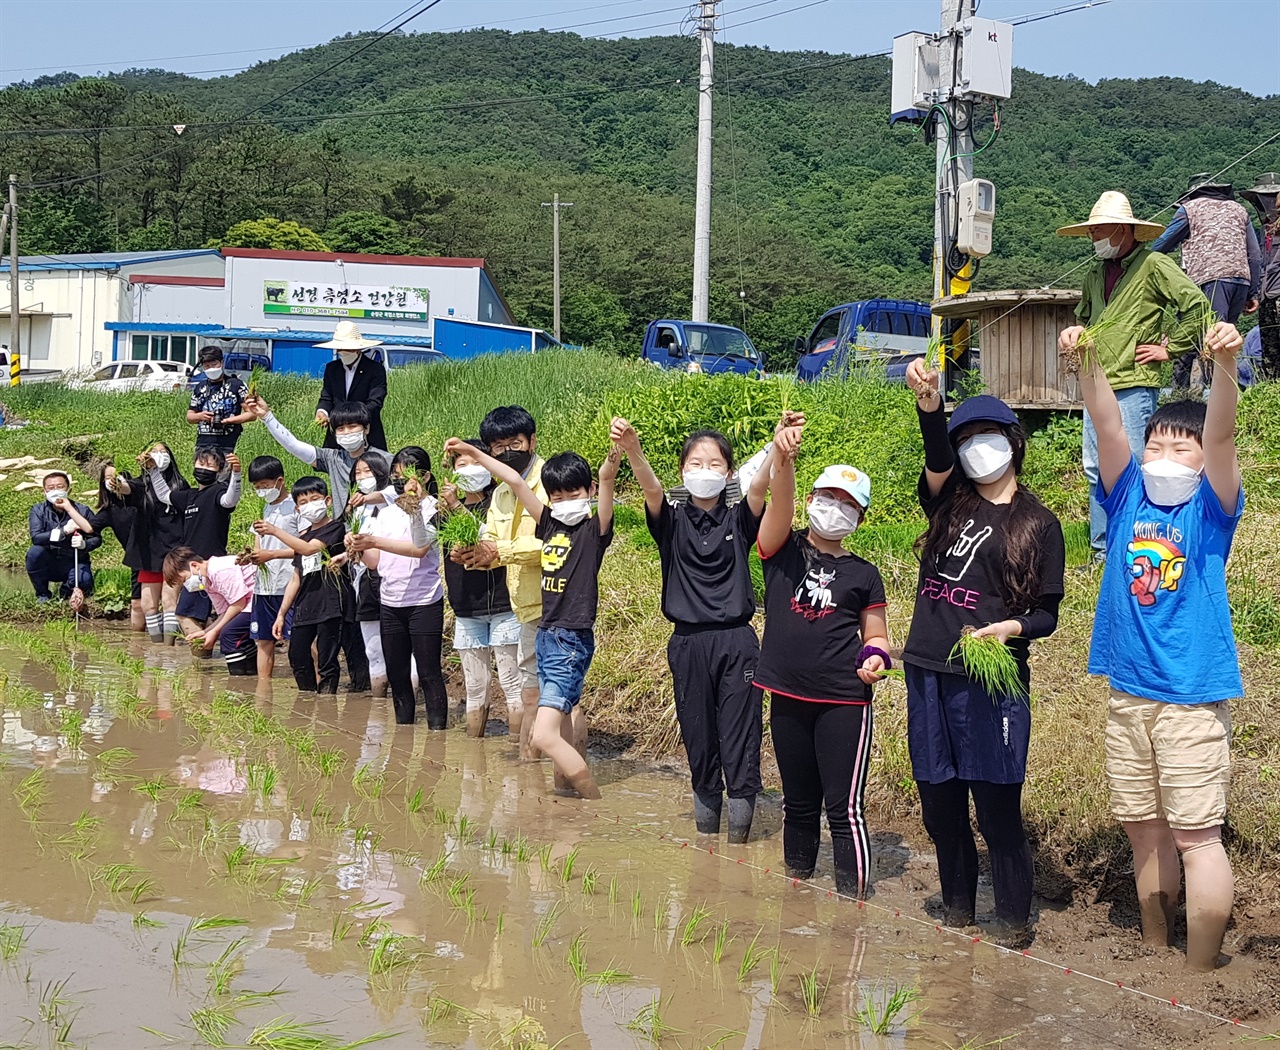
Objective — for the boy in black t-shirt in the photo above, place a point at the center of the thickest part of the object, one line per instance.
(573, 545)
(319, 593)
(206, 521)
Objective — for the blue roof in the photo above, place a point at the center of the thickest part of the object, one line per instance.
(284, 335)
(101, 260)
(138, 326)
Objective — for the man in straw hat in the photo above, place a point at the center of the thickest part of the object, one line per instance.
(352, 376)
(1135, 288)
(1219, 253)
(1264, 195)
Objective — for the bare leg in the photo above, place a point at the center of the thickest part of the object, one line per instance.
(528, 748)
(1156, 871)
(137, 618)
(552, 734)
(579, 719)
(476, 675)
(1210, 892)
(508, 661)
(266, 659)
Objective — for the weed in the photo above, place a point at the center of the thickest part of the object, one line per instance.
(648, 1022)
(720, 943)
(543, 929)
(12, 938)
(693, 924)
(879, 1008)
(811, 993)
(990, 663)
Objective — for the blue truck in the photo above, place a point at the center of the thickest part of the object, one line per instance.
(888, 332)
(700, 347)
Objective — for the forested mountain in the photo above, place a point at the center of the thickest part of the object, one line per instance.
(449, 143)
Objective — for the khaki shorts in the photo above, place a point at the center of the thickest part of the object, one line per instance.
(1168, 761)
(527, 651)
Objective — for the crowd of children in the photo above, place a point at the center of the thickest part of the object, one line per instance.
(352, 562)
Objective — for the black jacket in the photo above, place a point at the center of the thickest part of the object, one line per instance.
(369, 385)
(43, 519)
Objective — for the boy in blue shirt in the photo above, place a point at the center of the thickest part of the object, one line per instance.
(1163, 636)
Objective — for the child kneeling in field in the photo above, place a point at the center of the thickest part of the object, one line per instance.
(1163, 636)
(573, 546)
(229, 587)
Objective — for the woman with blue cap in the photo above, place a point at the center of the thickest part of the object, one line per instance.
(991, 563)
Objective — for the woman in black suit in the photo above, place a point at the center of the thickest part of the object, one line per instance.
(352, 376)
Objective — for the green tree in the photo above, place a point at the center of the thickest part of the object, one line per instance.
(58, 224)
(594, 316)
(276, 234)
(367, 231)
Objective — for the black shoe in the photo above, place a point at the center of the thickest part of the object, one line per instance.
(706, 812)
(741, 813)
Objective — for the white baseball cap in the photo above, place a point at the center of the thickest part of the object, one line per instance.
(846, 479)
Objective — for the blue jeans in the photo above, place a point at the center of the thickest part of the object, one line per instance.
(46, 565)
(564, 655)
(1137, 404)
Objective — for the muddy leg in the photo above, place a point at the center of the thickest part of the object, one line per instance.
(1210, 891)
(550, 735)
(1156, 872)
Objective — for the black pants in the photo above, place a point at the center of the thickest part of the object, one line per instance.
(417, 631)
(823, 753)
(1269, 327)
(327, 636)
(357, 658)
(945, 808)
(719, 710)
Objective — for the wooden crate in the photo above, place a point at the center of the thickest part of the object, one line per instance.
(1017, 333)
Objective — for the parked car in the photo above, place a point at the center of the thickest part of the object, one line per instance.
(121, 376)
(399, 356)
(700, 348)
(29, 375)
(889, 332)
(236, 364)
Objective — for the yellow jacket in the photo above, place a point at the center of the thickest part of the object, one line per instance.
(511, 528)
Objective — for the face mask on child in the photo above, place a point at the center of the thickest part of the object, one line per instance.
(1169, 483)
(571, 511)
(205, 475)
(984, 457)
(270, 494)
(472, 478)
(161, 460)
(351, 440)
(213, 372)
(314, 511)
(704, 483)
(831, 519)
(194, 582)
(367, 484)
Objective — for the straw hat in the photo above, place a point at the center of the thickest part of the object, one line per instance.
(1113, 207)
(1263, 193)
(347, 337)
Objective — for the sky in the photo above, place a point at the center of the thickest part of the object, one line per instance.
(1228, 41)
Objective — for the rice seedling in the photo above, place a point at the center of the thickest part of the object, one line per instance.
(143, 921)
(441, 1009)
(389, 951)
(498, 925)
(990, 663)
(154, 788)
(442, 817)
(284, 1033)
(32, 792)
(613, 890)
(589, 879)
(460, 529)
(71, 726)
(545, 925)
(330, 762)
(660, 916)
(142, 890)
(416, 801)
(223, 970)
(262, 779)
(436, 871)
(811, 993)
(566, 866)
(1084, 355)
(720, 943)
(777, 967)
(457, 889)
(577, 957)
(186, 804)
(212, 1023)
(637, 906)
(256, 377)
(368, 784)
(523, 850)
(491, 842)
(608, 976)
(12, 938)
(465, 824)
(648, 1022)
(544, 857)
(693, 925)
(934, 354)
(751, 958)
(898, 674)
(214, 922)
(56, 1008)
(116, 876)
(879, 1008)
(343, 924)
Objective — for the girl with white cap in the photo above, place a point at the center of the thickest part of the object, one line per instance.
(991, 563)
(825, 642)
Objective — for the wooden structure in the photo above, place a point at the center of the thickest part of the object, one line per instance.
(1017, 334)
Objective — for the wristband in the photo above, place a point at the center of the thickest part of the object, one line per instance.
(875, 650)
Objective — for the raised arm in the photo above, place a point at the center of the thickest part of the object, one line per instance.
(608, 481)
(231, 497)
(299, 449)
(779, 474)
(527, 497)
(624, 435)
(1114, 452)
(1221, 462)
(939, 459)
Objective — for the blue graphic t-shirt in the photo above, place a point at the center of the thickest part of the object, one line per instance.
(1163, 629)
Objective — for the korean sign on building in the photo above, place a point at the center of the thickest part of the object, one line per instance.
(379, 302)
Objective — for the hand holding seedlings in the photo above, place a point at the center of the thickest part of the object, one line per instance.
(789, 419)
(624, 435)
(265, 528)
(924, 383)
(1223, 341)
(1002, 631)
(205, 638)
(360, 541)
(233, 463)
(870, 671)
(787, 442)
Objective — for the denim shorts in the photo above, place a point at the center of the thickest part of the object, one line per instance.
(564, 655)
(486, 632)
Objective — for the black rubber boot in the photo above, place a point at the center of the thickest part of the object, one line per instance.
(706, 812)
(741, 812)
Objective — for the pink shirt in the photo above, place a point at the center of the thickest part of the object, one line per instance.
(227, 583)
(407, 581)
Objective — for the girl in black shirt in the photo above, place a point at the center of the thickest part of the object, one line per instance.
(992, 560)
(825, 642)
(115, 514)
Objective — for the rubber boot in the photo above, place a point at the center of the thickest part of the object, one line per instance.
(477, 721)
(706, 812)
(378, 686)
(741, 812)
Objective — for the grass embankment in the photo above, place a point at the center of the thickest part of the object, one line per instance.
(863, 422)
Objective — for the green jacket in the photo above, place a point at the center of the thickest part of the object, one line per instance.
(1153, 299)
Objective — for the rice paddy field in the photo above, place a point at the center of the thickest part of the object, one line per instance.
(185, 865)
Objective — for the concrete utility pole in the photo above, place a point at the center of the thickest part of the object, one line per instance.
(15, 357)
(950, 173)
(555, 206)
(702, 206)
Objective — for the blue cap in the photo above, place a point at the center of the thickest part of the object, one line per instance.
(981, 409)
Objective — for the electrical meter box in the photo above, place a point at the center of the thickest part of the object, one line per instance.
(915, 76)
(986, 59)
(977, 207)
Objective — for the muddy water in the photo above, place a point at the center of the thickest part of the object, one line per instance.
(387, 879)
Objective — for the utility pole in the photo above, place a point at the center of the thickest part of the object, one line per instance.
(950, 174)
(555, 206)
(702, 205)
(15, 357)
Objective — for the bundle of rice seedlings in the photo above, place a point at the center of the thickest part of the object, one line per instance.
(934, 354)
(990, 663)
(255, 377)
(1083, 355)
(409, 502)
(460, 529)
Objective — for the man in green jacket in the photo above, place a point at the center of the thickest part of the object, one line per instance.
(1152, 312)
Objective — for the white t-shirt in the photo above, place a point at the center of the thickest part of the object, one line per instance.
(284, 516)
(407, 581)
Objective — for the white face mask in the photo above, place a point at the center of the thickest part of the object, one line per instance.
(472, 478)
(571, 511)
(349, 357)
(831, 519)
(194, 582)
(704, 483)
(161, 460)
(984, 457)
(214, 372)
(53, 495)
(1169, 483)
(267, 494)
(314, 511)
(1106, 250)
(367, 485)
(351, 441)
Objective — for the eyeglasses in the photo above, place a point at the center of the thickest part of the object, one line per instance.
(517, 444)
